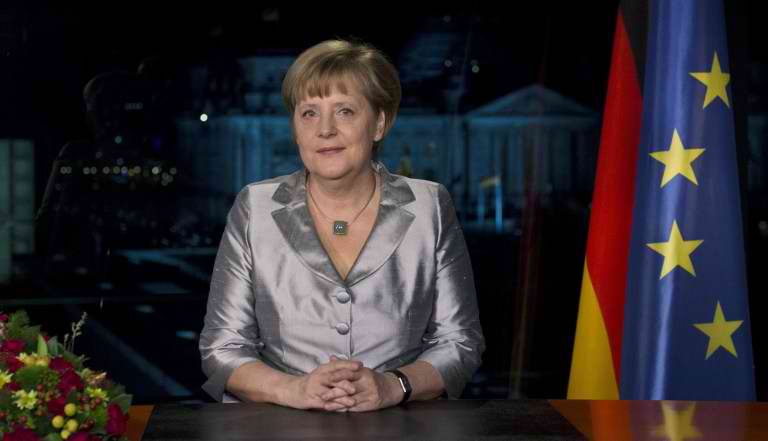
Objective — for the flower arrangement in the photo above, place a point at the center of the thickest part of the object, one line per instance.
(46, 392)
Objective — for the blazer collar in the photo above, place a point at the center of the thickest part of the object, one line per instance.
(297, 227)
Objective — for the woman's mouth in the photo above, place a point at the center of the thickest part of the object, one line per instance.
(330, 150)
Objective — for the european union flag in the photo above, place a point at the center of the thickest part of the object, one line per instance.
(686, 316)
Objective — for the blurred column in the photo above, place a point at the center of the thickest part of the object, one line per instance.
(17, 202)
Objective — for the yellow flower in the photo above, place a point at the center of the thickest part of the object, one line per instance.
(34, 360)
(42, 360)
(5, 378)
(25, 400)
(96, 392)
(28, 360)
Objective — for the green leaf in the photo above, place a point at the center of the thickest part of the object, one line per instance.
(41, 424)
(99, 416)
(76, 361)
(52, 437)
(18, 319)
(26, 334)
(73, 396)
(5, 399)
(124, 401)
(53, 346)
(42, 346)
(30, 376)
(114, 389)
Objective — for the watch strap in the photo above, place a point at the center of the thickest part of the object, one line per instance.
(405, 385)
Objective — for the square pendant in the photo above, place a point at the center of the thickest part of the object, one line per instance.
(340, 228)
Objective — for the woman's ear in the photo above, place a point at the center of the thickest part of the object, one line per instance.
(380, 124)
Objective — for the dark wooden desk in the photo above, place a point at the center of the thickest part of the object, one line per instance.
(459, 420)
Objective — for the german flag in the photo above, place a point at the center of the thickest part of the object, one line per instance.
(596, 360)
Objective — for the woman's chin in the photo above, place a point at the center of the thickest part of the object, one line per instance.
(330, 173)
(332, 170)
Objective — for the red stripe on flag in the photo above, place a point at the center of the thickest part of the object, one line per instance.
(610, 224)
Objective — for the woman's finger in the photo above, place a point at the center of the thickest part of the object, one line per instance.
(346, 386)
(334, 393)
(346, 401)
(352, 365)
(334, 407)
(343, 375)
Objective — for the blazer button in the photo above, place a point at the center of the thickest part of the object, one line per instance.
(342, 328)
(342, 297)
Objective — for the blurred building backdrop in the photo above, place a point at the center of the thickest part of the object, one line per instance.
(115, 205)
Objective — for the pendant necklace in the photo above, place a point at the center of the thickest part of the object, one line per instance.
(340, 227)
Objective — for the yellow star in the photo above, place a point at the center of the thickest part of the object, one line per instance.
(716, 81)
(677, 160)
(676, 251)
(719, 332)
(677, 426)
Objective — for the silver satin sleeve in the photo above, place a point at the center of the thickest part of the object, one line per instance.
(230, 335)
(454, 340)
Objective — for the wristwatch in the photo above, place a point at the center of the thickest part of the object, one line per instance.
(404, 384)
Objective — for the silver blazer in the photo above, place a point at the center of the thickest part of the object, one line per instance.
(276, 297)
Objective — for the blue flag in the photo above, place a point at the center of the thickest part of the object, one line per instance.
(686, 316)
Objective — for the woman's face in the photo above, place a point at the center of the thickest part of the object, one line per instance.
(335, 133)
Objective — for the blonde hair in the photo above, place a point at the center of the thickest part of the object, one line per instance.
(333, 64)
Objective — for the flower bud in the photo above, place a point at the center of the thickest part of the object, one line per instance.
(70, 409)
(57, 422)
(72, 425)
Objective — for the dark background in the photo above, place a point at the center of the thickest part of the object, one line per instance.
(147, 339)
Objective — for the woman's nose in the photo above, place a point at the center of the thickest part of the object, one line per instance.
(327, 127)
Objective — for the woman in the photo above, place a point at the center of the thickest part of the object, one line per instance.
(341, 286)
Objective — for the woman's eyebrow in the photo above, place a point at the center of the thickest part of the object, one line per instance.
(335, 104)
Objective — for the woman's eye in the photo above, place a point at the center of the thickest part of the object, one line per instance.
(347, 111)
(308, 113)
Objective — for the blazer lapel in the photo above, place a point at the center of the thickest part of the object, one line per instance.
(389, 229)
(298, 229)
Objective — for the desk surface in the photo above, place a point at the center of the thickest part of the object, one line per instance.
(459, 420)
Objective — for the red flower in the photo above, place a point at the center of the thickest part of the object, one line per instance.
(117, 421)
(12, 363)
(56, 406)
(13, 386)
(3, 318)
(60, 365)
(14, 346)
(70, 380)
(21, 434)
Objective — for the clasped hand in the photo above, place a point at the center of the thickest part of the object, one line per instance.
(345, 385)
